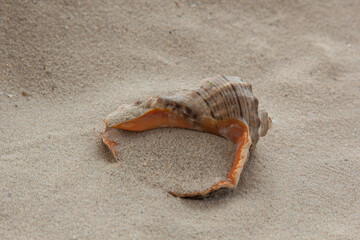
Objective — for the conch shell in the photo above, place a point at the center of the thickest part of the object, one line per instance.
(221, 105)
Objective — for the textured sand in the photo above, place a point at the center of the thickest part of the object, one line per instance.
(65, 65)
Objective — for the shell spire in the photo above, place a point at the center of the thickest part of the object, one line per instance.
(222, 105)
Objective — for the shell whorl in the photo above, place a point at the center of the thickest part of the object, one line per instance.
(218, 98)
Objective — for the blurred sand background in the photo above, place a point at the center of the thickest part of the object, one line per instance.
(65, 65)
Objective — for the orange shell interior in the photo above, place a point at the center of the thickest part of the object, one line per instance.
(233, 129)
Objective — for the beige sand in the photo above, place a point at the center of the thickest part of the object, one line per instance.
(65, 65)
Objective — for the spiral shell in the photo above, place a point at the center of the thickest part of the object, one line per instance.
(221, 105)
(218, 98)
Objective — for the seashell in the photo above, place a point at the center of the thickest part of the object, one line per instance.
(222, 105)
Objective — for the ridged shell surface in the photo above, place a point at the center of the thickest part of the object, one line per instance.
(219, 98)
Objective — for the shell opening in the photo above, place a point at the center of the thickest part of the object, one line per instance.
(123, 114)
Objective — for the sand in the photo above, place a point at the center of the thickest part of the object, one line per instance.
(65, 65)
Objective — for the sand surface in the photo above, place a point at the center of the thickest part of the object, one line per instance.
(65, 65)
